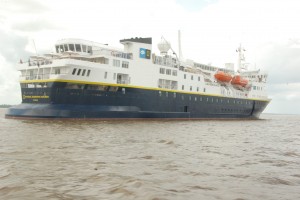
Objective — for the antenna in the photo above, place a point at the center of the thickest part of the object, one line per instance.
(34, 47)
(179, 46)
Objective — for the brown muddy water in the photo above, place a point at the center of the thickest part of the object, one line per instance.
(155, 160)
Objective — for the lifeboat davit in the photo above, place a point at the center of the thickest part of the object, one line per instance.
(240, 81)
(223, 77)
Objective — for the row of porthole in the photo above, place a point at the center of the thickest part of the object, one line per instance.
(211, 99)
(234, 110)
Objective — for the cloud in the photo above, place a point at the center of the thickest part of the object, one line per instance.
(282, 63)
(12, 46)
(10, 92)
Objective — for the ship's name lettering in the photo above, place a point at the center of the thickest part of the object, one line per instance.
(35, 97)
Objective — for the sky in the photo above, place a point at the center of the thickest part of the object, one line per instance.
(211, 30)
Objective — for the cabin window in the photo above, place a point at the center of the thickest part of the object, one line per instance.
(162, 70)
(191, 88)
(57, 71)
(116, 63)
(105, 75)
(192, 77)
(78, 47)
(198, 78)
(84, 48)
(83, 72)
(197, 89)
(66, 47)
(125, 64)
(184, 76)
(115, 76)
(168, 72)
(74, 71)
(182, 87)
(88, 73)
(174, 72)
(79, 71)
(71, 47)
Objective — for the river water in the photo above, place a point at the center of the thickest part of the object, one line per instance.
(155, 160)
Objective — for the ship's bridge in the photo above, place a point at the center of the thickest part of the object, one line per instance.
(82, 47)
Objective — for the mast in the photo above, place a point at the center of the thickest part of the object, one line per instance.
(179, 46)
(241, 58)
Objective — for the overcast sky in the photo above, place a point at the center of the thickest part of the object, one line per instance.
(211, 31)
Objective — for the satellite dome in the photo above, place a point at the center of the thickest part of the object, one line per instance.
(164, 46)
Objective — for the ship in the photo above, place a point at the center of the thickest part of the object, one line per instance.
(90, 80)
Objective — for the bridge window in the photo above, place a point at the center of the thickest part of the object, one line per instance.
(83, 72)
(84, 48)
(57, 48)
(66, 47)
(71, 47)
(89, 49)
(78, 47)
(61, 48)
(78, 73)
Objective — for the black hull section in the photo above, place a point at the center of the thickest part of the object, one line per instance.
(58, 101)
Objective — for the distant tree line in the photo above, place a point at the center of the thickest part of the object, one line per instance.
(5, 106)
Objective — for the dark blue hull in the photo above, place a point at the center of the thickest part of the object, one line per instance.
(117, 102)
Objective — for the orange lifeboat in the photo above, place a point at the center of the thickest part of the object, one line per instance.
(240, 81)
(223, 77)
